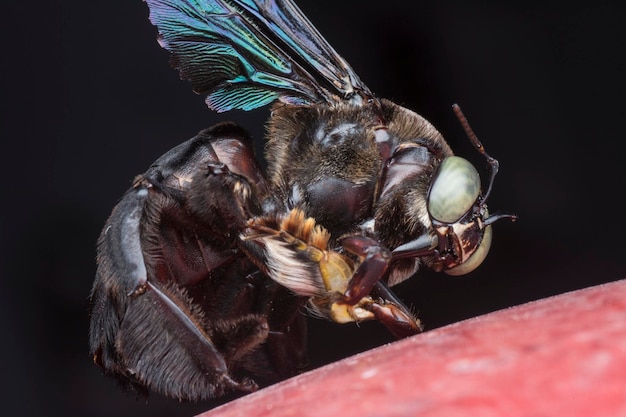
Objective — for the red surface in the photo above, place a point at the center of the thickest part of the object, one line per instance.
(560, 356)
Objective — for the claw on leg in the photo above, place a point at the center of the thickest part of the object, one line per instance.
(397, 320)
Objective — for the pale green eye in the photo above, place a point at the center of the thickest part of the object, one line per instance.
(454, 191)
(475, 258)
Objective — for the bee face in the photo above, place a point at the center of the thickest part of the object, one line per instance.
(207, 264)
(458, 217)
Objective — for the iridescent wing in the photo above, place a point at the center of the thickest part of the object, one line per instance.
(244, 54)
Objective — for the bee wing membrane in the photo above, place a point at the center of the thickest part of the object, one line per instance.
(244, 54)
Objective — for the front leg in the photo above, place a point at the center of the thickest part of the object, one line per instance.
(393, 314)
(374, 261)
(366, 291)
(293, 250)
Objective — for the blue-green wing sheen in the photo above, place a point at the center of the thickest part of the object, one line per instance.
(244, 54)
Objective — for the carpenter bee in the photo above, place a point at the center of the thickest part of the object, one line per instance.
(207, 263)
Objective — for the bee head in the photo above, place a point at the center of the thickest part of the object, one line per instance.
(458, 210)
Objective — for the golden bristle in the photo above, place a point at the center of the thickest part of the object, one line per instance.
(292, 222)
(294, 228)
(305, 229)
(320, 238)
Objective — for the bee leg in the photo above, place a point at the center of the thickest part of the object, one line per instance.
(236, 337)
(374, 261)
(382, 304)
(279, 352)
(392, 313)
(399, 322)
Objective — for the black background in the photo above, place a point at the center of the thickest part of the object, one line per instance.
(89, 101)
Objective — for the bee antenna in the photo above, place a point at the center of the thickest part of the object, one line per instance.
(493, 163)
(499, 216)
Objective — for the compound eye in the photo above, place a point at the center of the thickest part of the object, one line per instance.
(454, 191)
(475, 258)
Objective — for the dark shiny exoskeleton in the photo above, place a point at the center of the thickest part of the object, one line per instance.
(208, 264)
(175, 306)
